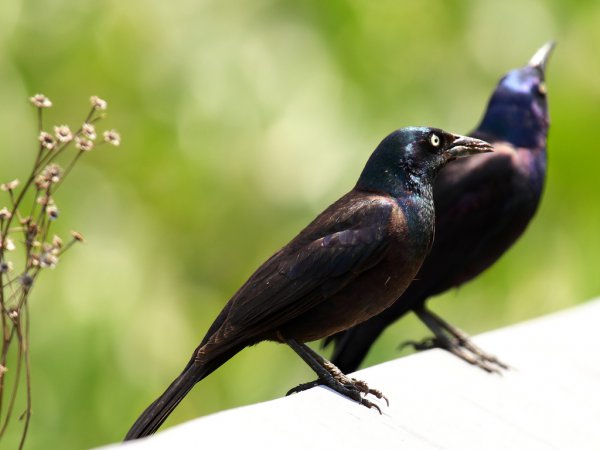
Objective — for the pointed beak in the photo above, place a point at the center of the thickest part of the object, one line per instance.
(465, 146)
(541, 57)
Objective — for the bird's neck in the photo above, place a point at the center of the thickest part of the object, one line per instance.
(412, 193)
(420, 213)
(524, 126)
(397, 181)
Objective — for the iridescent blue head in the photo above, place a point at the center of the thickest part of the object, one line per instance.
(518, 109)
(408, 159)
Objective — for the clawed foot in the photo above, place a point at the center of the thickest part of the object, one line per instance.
(465, 350)
(348, 387)
(456, 342)
(353, 388)
(331, 376)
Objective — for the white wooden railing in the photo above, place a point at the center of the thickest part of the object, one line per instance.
(550, 400)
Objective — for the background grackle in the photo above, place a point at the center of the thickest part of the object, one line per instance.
(483, 204)
(349, 264)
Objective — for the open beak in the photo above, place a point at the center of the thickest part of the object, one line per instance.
(541, 57)
(465, 146)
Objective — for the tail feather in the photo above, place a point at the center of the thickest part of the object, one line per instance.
(155, 414)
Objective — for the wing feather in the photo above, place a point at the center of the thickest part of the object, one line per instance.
(323, 259)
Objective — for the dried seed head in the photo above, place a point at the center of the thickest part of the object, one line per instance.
(41, 184)
(7, 244)
(6, 266)
(43, 200)
(51, 173)
(40, 101)
(63, 133)
(89, 131)
(57, 242)
(85, 145)
(112, 137)
(48, 260)
(98, 103)
(10, 186)
(5, 213)
(77, 236)
(47, 140)
(52, 212)
(26, 280)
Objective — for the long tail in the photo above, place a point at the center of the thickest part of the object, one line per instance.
(155, 414)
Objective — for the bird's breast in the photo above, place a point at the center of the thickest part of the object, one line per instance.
(375, 289)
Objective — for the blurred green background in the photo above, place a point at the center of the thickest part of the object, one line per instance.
(240, 122)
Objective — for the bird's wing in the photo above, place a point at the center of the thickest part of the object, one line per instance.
(476, 201)
(345, 240)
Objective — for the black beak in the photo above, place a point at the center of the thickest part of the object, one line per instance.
(465, 146)
(541, 57)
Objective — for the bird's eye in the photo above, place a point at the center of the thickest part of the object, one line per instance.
(434, 140)
(542, 88)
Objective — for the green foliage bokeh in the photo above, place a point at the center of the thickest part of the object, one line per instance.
(240, 122)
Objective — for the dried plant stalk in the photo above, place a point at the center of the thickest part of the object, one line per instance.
(28, 247)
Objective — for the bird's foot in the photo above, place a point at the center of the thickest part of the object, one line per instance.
(356, 390)
(332, 377)
(359, 385)
(456, 342)
(466, 348)
(350, 387)
(462, 347)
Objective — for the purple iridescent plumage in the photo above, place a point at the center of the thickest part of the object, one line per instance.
(483, 205)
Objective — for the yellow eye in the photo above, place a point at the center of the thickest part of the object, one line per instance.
(542, 88)
(434, 140)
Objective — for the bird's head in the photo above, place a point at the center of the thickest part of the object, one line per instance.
(409, 158)
(518, 109)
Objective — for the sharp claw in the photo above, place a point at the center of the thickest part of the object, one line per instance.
(407, 344)
(349, 387)
(303, 387)
(476, 357)
(425, 344)
(370, 405)
(457, 342)
(462, 347)
(379, 395)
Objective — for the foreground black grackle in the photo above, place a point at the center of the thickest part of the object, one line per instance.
(482, 205)
(349, 264)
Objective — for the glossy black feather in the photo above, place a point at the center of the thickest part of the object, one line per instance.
(483, 204)
(372, 240)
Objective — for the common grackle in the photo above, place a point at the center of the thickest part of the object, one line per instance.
(349, 264)
(482, 205)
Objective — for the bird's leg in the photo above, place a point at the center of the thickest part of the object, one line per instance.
(329, 375)
(456, 342)
(340, 376)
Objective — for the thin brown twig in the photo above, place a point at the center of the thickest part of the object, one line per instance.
(27, 378)
(41, 250)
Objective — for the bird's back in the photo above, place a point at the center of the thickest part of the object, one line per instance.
(482, 205)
